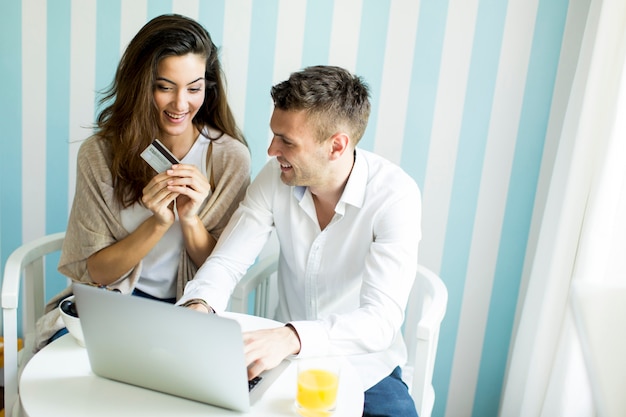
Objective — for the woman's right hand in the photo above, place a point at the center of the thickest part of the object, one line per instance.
(159, 200)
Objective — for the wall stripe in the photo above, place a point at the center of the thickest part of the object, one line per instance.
(34, 126)
(371, 59)
(423, 88)
(189, 8)
(133, 16)
(344, 33)
(57, 126)
(462, 92)
(211, 16)
(393, 102)
(11, 110)
(577, 14)
(317, 30)
(235, 54)
(446, 125)
(289, 39)
(57, 132)
(158, 7)
(470, 154)
(499, 154)
(262, 36)
(82, 75)
(542, 70)
(108, 33)
(290, 22)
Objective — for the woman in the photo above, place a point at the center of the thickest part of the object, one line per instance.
(131, 228)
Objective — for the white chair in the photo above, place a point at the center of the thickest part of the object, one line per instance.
(26, 261)
(260, 282)
(425, 311)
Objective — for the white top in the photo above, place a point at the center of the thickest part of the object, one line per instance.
(160, 265)
(343, 288)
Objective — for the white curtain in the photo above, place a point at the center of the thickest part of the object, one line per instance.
(583, 231)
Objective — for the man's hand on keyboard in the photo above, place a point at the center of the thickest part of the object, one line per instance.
(265, 349)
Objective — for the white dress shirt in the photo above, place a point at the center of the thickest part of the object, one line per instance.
(344, 288)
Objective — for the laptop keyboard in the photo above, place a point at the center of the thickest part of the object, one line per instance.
(252, 383)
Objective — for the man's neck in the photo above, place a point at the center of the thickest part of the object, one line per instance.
(329, 194)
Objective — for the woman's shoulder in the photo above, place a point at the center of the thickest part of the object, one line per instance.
(95, 152)
(94, 145)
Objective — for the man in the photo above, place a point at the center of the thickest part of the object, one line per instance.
(348, 225)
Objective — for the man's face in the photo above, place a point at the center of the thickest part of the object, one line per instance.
(303, 159)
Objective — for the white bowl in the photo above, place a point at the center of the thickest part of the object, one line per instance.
(73, 324)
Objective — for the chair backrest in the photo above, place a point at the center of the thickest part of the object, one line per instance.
(425, 311)
(26, 261)
(259, 282)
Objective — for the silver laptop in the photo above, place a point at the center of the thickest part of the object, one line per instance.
(167, 348)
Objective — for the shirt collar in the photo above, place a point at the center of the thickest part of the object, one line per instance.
(354, 193)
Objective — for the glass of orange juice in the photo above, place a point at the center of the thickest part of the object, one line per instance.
(318, 381)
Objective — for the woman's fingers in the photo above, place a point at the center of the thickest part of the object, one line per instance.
(159, 199)
(183, 183)
(189, 181)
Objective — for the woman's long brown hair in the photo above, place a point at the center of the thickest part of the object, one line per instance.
(129, 119)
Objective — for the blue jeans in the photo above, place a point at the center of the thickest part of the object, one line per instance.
(389, 398)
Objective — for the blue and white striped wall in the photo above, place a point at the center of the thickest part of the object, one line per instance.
(468, 97)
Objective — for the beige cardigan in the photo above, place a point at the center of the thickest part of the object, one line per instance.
(95, 221)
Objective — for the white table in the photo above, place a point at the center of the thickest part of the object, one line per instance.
(58, 382)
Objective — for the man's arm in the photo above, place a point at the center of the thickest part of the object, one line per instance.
(236, 250)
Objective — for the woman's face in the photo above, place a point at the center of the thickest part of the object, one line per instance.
(179, 94)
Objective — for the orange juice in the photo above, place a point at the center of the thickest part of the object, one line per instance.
(317, 391)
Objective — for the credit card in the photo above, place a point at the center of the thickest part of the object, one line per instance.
(159, 157)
